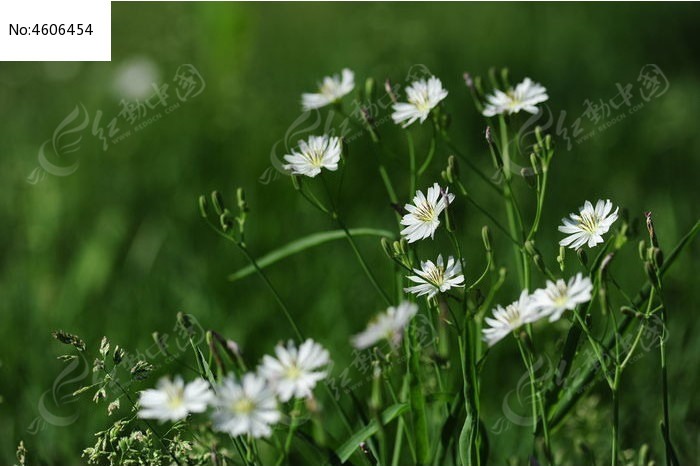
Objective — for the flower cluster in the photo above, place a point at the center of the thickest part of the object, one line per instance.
(548, 302)
(242, 405)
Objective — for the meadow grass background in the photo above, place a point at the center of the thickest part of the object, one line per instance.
(118, 247)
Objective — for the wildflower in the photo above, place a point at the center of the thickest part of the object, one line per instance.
(294, 372)
(173, 400)
(589, 225)
(248, 407)
(422, 218)
(507, 320)
(436, 278)
(332, 89)
(422, 97)
(525, 96)
(313, 155)
(389, 326)
(555, 298)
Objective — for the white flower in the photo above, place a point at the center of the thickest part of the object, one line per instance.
(313, 155)
(422, 97)
(422, 218)
(555, 298)
(505, 321)
(389, 326)
(525, 96)
(294, 372)
(332, 89)
(589, 225)
(436, 278)
(173, 400)
(246, 408)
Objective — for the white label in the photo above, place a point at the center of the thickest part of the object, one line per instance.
(55, 30)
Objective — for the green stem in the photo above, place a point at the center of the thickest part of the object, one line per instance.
(616, 418)
(431, 151)
(413, 175)
(362, 262)
(577, 389)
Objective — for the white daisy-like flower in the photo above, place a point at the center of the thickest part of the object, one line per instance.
(555, 298)
(589, 225)
(422, 220)
(434, 278)
(525, 96)
(330, 90)
(313, 155)
(173, 400)
(246, 408)
(294, 373)
(505, 321)
(388, 325)
(422, 97)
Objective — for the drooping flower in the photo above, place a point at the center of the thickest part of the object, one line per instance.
(434, 278)
(422, 97)
(525, 96)
(555, 298)
(421, 221)
(295, 372)
(589, 225)
(313, 155)
(330, 90)
(173, 400)
(388, 326)
(248, 407)
(507, 320)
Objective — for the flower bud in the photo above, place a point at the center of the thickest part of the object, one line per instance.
(203, 207)
(104, 346)
(641, 247)
(218, 202)
(389, 90)
(488, 135)
(450, 174)
(650, 270)
(650, 229)
(534, 163)
(468, 80)
(561, 257)
(486, 238)
(604, 263)
(386, 246)
(657, 257)
(240, 200)
(582, 256)
(527, 175)
(117, 355)
(369, 88)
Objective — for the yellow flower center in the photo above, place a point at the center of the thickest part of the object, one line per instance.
(293, 372)
(425, 212)
(589, 222)
(176, 397)
(243, 406)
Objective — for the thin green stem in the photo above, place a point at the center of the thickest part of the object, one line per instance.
(431, 151)
(362, 262)
(413, 175)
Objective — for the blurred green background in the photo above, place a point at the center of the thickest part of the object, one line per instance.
(117, 247)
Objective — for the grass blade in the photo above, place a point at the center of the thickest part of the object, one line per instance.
(304, 243)
(346, 450)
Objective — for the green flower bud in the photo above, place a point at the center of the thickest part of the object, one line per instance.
(218, 201)
(486, 238)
